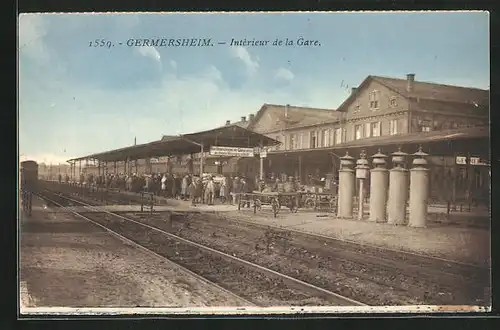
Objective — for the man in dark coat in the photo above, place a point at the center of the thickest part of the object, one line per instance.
(247, 189)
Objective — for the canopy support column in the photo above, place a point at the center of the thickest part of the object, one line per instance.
(301, 177)
(201, 154)
(201, 160)
(261, 159)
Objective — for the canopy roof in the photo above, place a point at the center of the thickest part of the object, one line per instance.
(229, 135)
(469, 133)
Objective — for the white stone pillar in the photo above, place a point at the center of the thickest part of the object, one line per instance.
(398, 190)
(379, 184)
(419, 190)
(346, 187)
(362, 169)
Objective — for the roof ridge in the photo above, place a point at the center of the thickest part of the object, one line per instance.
(298, 107)
(431, 83)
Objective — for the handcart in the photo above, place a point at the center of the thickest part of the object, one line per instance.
(320, 201)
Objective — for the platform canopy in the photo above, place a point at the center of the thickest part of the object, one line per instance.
(229, 135)
(442, 137)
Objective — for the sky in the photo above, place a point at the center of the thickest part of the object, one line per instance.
(76, 99)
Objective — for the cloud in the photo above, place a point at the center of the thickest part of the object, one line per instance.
(32, 30)
(173, 64)
(127, 21)
(252, 64)
(182, 103)
(284, 74)
(151, 52)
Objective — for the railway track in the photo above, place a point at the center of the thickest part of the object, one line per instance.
(257, 284)
(397, 282)
(417, 258)
(362, 271)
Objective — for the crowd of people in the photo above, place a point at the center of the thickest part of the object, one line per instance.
(206, 189)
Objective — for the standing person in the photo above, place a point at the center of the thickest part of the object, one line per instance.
(192, 191)
(277, 181)
(147, 183)
(164, 186)
(235, 191)
(289, 186)
(246, 188)
(169, 185)
(223, 190)
(184, 186)
(229, 187)
(189, 180)
(198, 190)
(210, 191)
(256, 181)
(129, 183)
(176, 186)
(262, 186)
(280, 187)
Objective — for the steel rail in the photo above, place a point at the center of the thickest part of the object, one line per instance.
(295, 282)
(370, 246)
(137, 245)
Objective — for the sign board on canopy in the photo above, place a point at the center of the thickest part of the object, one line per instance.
(231, 151)
(478, 161)
(461, 160)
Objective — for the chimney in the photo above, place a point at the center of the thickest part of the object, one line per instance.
(243, 118)
(353, 89)
(228, 122)
(410, 78)
(251, 117)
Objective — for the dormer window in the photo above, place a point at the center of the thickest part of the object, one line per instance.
(392, 102)
(374, 98)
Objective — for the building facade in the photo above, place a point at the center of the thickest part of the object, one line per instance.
(380, 111)
(379, 107)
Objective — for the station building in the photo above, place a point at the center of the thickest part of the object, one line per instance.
(450, 123)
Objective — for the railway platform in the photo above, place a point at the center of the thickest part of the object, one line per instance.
(455, 241)
(462, 244)
(438, 214)
(69, 262)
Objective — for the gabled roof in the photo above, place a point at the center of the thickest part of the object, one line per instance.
(291, 117)
(437, 92)
(435, 96)
(169, 137)
(243, 124)
(239, 123)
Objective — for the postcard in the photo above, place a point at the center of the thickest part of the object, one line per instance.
(254, 163)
